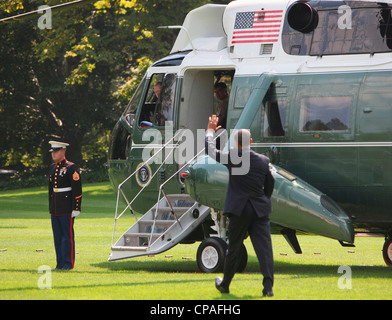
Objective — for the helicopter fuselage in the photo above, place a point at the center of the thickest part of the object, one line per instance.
(323, 115)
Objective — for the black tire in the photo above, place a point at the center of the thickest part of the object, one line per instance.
(211, 255)
(387, 251)
(243, 259)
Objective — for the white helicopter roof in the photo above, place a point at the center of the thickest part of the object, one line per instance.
(211, 27)
(202, 30)
(248, 34)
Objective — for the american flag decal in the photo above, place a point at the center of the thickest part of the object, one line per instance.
(257, 26)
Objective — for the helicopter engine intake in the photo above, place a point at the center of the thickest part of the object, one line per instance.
(302, 17)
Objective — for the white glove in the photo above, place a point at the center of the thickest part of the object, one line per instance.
(75, 213)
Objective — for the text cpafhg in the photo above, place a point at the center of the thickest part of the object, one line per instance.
(199, 309)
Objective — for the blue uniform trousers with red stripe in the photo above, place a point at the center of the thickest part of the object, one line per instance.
(64, 242)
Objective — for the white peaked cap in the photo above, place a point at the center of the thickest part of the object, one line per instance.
(57, 145)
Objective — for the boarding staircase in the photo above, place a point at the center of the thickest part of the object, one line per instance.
(163, 226)
(166, 224)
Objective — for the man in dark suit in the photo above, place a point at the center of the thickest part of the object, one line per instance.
(247, 204)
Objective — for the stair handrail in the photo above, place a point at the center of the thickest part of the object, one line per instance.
(119, 189)
(167, 180)
(189, 161)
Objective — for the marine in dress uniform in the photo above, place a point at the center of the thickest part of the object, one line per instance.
(65, 198)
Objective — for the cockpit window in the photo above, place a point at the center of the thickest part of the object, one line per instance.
(159, 102)
(165, 109)
(147, 115)
(130, 111)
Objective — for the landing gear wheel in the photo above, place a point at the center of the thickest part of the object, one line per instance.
(243, 259)
(387, 251)
(211, 255)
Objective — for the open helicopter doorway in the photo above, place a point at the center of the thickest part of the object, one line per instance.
(200, 99)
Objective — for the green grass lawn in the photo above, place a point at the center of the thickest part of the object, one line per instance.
(25, 228)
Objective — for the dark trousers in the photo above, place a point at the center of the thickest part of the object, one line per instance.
(64, 242)
(260, 235)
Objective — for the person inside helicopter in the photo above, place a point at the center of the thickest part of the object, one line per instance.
(158, 106)
(222, 95)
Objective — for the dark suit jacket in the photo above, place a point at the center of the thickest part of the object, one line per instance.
(256, 185)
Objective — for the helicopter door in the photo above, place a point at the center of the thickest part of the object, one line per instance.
(199, 101)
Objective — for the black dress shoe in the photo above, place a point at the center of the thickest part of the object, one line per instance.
(222, 289)
(268, 293)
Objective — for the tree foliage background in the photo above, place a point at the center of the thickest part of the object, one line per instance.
(73, 81)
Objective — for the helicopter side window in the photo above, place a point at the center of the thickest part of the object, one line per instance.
(325, 113)
(275, 118)
(164, 109)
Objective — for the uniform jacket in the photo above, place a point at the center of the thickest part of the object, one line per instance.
(65, 188)
(256, 185)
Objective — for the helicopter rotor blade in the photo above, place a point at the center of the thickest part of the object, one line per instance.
(31, 14)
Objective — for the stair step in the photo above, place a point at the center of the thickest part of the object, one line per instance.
(181, 200)
(139, 239)
(157, 222)
(159, 227)
(128, 248)
(166, 215)
(175, 209)
(179, 196)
